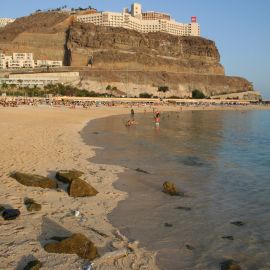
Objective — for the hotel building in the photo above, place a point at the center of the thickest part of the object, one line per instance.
(25, 60)
(5, 21)
(143, 22)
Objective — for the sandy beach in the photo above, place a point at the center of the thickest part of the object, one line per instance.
(43, 140)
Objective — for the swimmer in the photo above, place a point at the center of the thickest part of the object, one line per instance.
(128, 123)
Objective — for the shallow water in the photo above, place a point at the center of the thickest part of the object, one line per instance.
(221, 160)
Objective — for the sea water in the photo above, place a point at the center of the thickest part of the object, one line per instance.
(220, 159)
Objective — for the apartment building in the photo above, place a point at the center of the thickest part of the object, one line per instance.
(25, 60)
(144, 22)
(5, 21)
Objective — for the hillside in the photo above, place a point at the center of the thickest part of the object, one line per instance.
(132, 61)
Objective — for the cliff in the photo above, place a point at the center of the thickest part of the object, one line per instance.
(43, 34)
(132, 61)
(122, 48)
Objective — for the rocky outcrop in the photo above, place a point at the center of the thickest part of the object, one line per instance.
(68, 176)
(180, 84)
(122, 48)
(33, 180)
(79, 188)
(76, 244)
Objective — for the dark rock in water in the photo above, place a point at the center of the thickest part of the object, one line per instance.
(229, 237)
(68, 176)
(76, 244)
(33, 180)
(168, 225)
(79, 188)
(141, 171)
(183, 208)
(33, 265)
(230, 265)
(170, 188)
(192, 161)
(10, 214)
(31, 205)
(189, 247)
(238, 223)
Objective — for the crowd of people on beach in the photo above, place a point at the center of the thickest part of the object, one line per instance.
(73, 103)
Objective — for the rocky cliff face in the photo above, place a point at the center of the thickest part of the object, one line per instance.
(118, 48)
(132, 61)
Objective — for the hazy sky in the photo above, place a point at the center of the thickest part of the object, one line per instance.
(240, 28)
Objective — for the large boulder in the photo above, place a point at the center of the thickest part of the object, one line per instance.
(170, 188)
(79, 188)
(33, 265)
(76, 244)
(68, 176)
(33, 180)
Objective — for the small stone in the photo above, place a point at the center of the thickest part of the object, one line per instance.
(79, 188)
(11, 214)
(183, 208)
(229, 237)
(238, 223)
(76, 244)
(31, 205)
(141, 171)
(66, 176)
(168, 225)
(170, 188)
(230, 265)
(189, 247)
(33, 265)
(34, 180)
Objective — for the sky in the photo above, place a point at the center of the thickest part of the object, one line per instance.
(240, 28)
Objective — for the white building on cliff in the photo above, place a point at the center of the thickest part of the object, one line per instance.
(143, 22)
(25, 60)
(5, 21)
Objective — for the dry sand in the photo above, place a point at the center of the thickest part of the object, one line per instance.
(42, 140)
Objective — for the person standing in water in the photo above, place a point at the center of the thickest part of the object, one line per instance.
(157, 118)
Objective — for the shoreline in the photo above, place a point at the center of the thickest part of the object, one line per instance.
(136, 217)
(43, 140)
